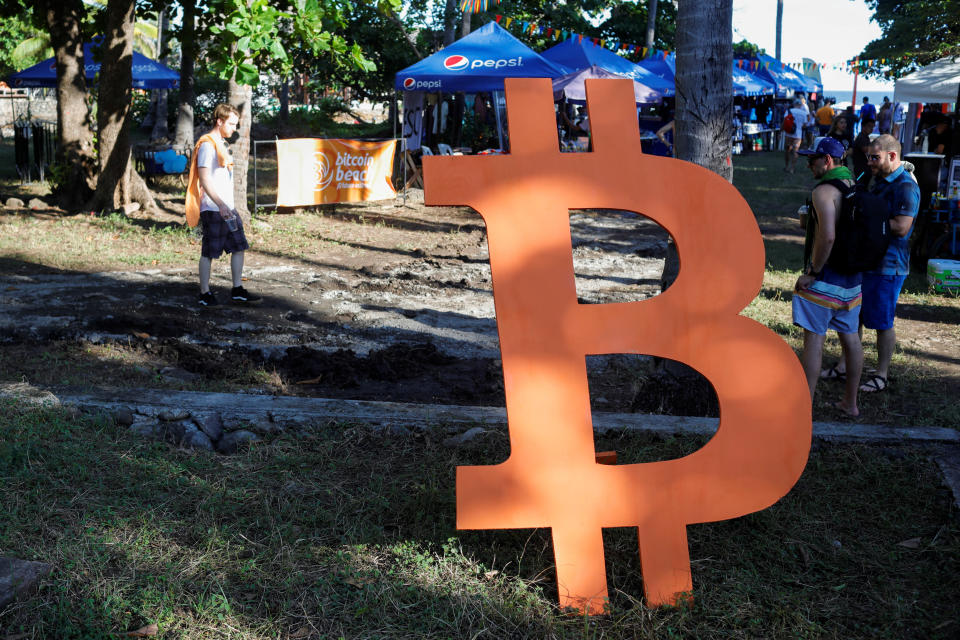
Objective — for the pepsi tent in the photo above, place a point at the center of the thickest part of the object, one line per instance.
(477, 62)
(572, 86)
(575, 54)
(147, 73)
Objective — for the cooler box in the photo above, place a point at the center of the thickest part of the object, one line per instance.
(944, 275)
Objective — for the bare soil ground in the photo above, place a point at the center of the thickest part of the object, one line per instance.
(386, 301)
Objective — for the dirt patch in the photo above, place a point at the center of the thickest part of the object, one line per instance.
(373, 301)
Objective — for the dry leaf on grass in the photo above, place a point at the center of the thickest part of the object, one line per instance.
(302, 632)
(359, 581)
(141, 334)
(310, 380)
(912, 543)
(143, 632)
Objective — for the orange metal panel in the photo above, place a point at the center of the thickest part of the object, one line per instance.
(552, 477)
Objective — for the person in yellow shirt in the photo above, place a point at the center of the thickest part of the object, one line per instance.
(825, 116)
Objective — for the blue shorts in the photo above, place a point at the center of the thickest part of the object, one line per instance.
(817, 319)
(880, 295)
(217, 236)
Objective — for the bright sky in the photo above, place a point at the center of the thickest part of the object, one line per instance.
(827, 31)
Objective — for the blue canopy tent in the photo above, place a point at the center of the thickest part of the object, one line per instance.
(476, 63)
(744, 84)
(572, 86)
(147, 73)
(575, 54)
(812, 85)
(775, 72)
(752, 85)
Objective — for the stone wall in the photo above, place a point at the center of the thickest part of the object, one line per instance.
(31, 104)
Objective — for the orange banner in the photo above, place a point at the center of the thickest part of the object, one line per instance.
(318, 171)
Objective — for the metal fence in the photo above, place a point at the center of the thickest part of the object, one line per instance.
(35, 145)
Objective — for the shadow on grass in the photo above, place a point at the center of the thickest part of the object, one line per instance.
(349, 531)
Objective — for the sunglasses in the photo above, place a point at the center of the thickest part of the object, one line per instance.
(875, 156)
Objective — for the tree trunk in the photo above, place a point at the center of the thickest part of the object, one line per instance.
(449, 22)
(161, 130)
(651, 23)
(704, 116)
(74, 136)
(703, 126)
(184, 132)
(779, 27)
(465, 27)
(118, 184)
(239, 96)
(285, 101)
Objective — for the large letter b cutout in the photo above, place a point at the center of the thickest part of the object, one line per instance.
(552, 478)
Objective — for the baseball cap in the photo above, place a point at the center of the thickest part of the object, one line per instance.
(826, 147)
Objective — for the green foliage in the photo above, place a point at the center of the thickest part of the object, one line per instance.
(746, 49)
(249, 38)
(915, 32)
(22, 44)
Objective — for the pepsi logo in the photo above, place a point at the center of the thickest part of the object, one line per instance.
(456, 62)
(409, 83)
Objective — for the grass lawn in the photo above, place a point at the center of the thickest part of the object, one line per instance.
(349, 533)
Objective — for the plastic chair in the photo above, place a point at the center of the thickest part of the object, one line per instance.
(426, 150)
(444, 149)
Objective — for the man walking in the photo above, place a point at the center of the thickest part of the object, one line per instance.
(210, 201)
(791, 139)
(823, 298)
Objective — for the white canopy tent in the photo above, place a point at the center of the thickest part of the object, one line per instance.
(937, 82)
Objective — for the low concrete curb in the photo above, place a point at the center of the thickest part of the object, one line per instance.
(300, 411)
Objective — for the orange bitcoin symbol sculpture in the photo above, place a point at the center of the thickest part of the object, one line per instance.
(552, 478)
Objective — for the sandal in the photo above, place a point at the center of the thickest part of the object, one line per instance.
(874, 383)
(833, 373)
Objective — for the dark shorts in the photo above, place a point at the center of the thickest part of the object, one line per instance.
(217, 236)
(880, 295)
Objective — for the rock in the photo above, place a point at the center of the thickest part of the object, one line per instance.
(146, 428)
(211, 425)
(231, 442)
(124, 416)
(397, 431)
(26, 393)
(464, 437)
(37, 203)
(131, 207)
(174, 432)
(18, 577)
(174, 373)
(198, 440)
(173, 415)
(13, 203)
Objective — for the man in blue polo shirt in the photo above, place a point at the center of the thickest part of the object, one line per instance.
(881, 287)
(868, 111)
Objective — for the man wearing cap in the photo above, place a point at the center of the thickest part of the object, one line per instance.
(823, 298)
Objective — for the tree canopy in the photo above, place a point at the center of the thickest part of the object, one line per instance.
(915, 33)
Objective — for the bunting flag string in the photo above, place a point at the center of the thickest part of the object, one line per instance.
(530, 28)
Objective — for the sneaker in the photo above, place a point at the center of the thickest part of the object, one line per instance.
(239, 294)
(207, 299)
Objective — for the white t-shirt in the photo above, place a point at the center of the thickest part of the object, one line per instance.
(222, 178)
(800, 116)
